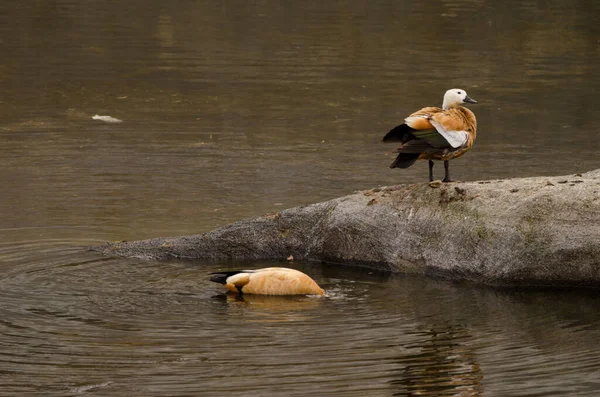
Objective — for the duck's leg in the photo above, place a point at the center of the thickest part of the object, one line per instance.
(430, 170)
(447, 171)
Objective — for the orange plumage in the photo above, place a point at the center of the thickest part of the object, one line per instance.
(268, 281)
(457, 119)
(434, 133)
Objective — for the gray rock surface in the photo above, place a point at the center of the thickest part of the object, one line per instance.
(542, 231)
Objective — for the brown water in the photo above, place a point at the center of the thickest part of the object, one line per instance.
(235, 109)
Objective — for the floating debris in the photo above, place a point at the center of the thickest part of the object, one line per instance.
(107, 119)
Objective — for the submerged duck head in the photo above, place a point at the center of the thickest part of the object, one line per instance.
(456, 97)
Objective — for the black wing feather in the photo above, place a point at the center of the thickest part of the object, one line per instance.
(401, 133)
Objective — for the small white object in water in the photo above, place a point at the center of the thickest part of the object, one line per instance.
(106, 119)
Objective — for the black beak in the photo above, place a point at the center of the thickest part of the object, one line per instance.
(469, 100)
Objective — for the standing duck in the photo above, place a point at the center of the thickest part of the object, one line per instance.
(268, 281)
(434, 133)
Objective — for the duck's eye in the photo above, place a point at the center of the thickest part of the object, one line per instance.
(459, 93)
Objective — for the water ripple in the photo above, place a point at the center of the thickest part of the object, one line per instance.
(79, 323)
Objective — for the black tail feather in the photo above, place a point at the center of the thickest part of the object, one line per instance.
(405, 160)
(221, 277)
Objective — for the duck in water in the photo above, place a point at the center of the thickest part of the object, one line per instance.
(268, 281)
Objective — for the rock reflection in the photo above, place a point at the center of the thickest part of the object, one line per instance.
(441, 365)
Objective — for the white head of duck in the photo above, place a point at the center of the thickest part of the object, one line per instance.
(455, 97)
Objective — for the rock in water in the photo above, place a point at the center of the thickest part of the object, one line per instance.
(522, 231)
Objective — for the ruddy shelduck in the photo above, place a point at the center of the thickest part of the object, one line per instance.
(434, 133)
(268, 281)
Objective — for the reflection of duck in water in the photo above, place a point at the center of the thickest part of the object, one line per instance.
(436, 133)
(283, 307)
(268, 281)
